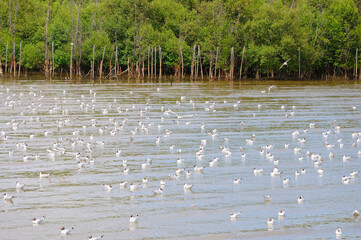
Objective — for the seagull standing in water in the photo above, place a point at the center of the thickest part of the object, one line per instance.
(338, 232)
(270, 223)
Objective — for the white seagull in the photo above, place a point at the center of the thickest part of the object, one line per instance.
(7, 198)
(281, 214)
(133, 218)
(284, 64)
(38, 220)
(234, 216)
(65, 231)
(187, 186)
(19, 186)
(95, 238)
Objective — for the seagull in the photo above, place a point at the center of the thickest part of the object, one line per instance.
(284, 64)
(95, 238)
(145, 180)
(281, 214)
(346, 159)
(38, 220)
(198, 168)
(267, 198)
(19, 186)
(354, 174)
(300, 200)
(346, 180)
(270, 223)
(286, 181)
(158, 191)
(133, 187)
(356, 213)
(65, 231)
(44, 175)
(237, 181)
(338, 232)
(108, 187)
(7, 198)
(123, 184)
(162, 182)
(257, 171)
(234, 216)
(133, 218)
(187, 186)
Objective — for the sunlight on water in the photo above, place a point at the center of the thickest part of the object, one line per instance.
(80, 135)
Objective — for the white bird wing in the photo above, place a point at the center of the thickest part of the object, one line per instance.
(285, 63)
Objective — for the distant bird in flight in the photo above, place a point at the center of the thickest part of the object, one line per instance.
(284, 64)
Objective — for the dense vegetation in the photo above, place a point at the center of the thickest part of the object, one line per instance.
(319, 35)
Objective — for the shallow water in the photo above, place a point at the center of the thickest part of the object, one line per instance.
(61, 114)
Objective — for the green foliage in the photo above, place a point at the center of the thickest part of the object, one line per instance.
(327, 32)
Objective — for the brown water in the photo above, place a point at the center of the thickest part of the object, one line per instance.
(60, 116)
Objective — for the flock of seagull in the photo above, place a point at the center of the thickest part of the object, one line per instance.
(65, 145)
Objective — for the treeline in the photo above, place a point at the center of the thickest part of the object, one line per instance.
(228, 39)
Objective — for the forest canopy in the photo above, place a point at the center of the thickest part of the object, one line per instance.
(220, 38)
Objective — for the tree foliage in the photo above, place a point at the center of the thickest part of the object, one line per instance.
(325, 32)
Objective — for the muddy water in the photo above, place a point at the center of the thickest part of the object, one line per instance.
(49, 128)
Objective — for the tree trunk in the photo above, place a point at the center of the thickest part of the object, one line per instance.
(197, 64)
(46, 66)
(155, 62)
(151, 65)
(210, 74)
(6, 57)
(93, 64)
(215, 67)
(128, 69)
(355, 67)
(160, 63)
(14, 32)
(101, 64)
(14, 59)
(181, 52)
(143, 65)
(200, 60)
(193, 59)
(110, 64)
(116, 61)
(71, 62)
(148, 62)
(78, 40)
(240, 69)
(52, 53)
(232, 64)
(19, 61)
(299, 63)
